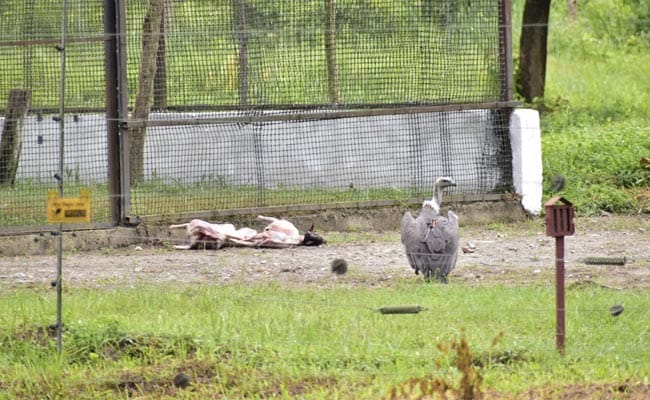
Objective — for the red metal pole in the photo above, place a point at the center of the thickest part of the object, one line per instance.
(559, 293)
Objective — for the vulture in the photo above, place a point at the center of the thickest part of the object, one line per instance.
(431, 240)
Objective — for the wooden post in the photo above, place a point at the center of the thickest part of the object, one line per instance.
(330, 51)
(12, 134)
(559, 223)
(505, 50)
(242, 38)
(560, 321)
(112, 110)
(150, 42)
(160, 80)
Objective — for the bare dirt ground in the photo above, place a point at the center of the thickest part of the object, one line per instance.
(516, 253)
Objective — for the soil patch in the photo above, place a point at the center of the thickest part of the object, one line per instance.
(505, 253)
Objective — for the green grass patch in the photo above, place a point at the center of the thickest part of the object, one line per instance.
(252, 341)
(25, 203)
(602, 165)
(160, 198)
(596, 124)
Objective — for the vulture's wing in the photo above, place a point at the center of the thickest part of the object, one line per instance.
(409, 238)
(452, 227)
(449, 232)
(406, 225)
(414, 236)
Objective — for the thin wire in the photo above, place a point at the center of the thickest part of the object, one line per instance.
(59, 266)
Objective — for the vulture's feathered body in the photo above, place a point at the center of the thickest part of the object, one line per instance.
(431, 240)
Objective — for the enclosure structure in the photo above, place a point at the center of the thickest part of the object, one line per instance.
(179, 108)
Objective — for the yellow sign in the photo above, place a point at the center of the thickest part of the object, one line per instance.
(68, 209)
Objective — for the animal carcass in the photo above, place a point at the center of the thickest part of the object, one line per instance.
(279, 233)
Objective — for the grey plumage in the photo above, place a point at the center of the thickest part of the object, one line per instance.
(431, 240)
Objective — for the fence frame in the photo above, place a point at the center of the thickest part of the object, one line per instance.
(119, 124)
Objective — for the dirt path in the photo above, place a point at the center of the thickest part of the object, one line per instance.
(509, 254)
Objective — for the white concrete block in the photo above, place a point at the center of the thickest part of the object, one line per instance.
(526, 144)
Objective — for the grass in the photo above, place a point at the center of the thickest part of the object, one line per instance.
(595, 125)
(25, 203)
(612, 180)
(240, 341)
(212, 195)
(595, 132)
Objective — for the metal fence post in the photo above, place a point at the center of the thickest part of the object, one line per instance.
(116, 109)
(123, 103)
(505, 50)
(112, 110)
(559, 223)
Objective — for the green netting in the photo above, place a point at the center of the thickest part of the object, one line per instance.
(228, 69)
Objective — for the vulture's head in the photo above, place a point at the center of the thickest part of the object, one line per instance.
(436, 201)
(444, 182)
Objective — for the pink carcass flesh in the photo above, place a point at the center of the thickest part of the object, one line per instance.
(279, 233)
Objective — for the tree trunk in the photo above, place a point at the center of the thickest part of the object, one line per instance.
(532, 49)
(150, 41)
(11, 143)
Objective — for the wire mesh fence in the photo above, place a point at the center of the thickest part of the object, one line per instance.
(279, 163)
(247, 103)
(304, 53)
(30, 47)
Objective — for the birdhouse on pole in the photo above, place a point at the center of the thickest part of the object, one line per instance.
(559, 223)
(559, 217)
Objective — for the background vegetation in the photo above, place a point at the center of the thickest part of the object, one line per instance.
(596, 114)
